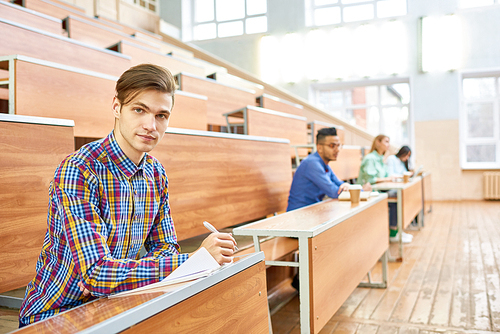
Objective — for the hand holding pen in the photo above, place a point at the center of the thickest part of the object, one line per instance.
(220, 245)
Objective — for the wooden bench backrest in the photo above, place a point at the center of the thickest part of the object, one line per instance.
(348, 162)
(223, 180)
(265, 122)
(99, 35)
(56, 92)
(19, 39)
(190, 111)
(29, 155)
(21, 15)
(274, 103)
(221, 98)
(315, 126)
(141, 55)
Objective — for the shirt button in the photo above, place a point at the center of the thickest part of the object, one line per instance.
(135, 192)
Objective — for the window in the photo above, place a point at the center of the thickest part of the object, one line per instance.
(327, 12)
(378, 109)
(225, 18)
(480, 122)
(476, 3)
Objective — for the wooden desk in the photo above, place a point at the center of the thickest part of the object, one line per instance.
(409, 203)
(427, 192)
(232, 300)
(30, 150)
(275, 103)
(258, 121)
(338, 244)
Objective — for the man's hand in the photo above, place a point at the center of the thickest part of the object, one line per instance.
(343, 187)
(220, 246)
(83, 289)
(367, 186)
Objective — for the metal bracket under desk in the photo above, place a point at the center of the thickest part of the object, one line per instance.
(378, 285)
(11, 302)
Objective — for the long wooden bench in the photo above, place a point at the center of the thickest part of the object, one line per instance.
(221, 98)
(99, 35)
(21, 39)
(338, 244)
(265, 122)
(31, 148)
(274, 103)
(223, 178)
(42, 88)
(31, 18)
(61, 10)
(139, 54)
(232, 80)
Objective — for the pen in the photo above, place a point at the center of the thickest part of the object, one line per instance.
(211, 228)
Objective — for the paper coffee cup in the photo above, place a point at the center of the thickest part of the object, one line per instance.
(355, 191)
(406, 177)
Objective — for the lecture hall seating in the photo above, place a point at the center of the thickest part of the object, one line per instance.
(275, 103)
(221, 98)
(31, 18)
(31, 149)
(22, 39)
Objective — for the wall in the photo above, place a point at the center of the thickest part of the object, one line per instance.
(435, 102)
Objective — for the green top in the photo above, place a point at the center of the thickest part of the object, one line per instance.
(372, 167)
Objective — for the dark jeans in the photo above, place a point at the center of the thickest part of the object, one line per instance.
(21, 325)
(393, 210)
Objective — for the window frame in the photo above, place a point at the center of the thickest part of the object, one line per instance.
(463, 120)
(346, 86)
(243, 20)
(310, 8)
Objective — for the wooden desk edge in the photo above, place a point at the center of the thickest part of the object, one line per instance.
(320, 228)
(144, 311)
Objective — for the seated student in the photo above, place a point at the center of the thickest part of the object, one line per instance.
(398, 164)
(374, 170)
(314, 179)
(109, 199)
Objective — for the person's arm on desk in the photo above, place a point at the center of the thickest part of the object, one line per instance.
(331, 186)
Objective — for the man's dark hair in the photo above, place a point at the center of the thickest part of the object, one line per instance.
(323, 133)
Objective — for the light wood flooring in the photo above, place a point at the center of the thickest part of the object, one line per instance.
(448, 282)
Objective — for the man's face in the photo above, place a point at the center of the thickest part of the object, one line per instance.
(329, 148)
(141, 124)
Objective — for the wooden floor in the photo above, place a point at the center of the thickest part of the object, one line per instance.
(449, 282)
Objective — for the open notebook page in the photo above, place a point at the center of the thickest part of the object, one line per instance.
(200, 264)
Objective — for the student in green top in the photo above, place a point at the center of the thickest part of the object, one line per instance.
(374, 170)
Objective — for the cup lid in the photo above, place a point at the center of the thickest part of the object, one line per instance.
(355, 187)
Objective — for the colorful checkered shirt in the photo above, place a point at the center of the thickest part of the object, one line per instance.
(102, 210)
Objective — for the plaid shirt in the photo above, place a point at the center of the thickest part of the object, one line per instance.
(102, 209)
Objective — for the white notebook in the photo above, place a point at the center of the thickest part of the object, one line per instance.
(200, 264)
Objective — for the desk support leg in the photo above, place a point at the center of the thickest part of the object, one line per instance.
(383, 284)
(400, 222)
(305, 326)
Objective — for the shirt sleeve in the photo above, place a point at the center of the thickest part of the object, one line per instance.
(162, 240)
(74, 197)
(326, 183)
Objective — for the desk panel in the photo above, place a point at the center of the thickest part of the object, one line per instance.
(427, 192)
(341, 256)
(29, 155)
(412, 202)
(236, 305)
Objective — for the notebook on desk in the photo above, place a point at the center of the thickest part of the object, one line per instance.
(346, 195)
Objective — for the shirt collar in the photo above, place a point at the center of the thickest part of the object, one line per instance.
(325, 166)
(124, 164)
